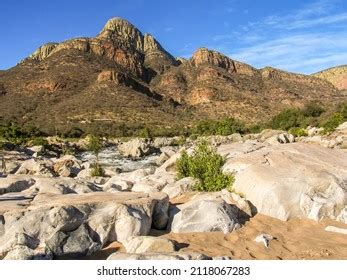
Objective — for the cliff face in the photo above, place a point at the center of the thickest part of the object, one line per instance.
(128, 78)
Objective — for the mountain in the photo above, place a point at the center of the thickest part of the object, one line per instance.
(336, 75)
(124, 78)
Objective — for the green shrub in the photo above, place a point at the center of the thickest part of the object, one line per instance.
(97, 171)
(313, 109)
(145, 133)
(205, 165)
(94, 144)
(334, 121)
(219, 127)
(256, 128)
(287, 119)
(13, 134)
(297, 131)
(39, 141)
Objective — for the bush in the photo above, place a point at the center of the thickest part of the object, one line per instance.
(13, 134)
(219, 127)
(334, 121)
(313, 109)
(145, 133)
(39, 141)
(205, 165)
(287, 119)
(297, 131)
(97, 171)
(256, 128)
(94, 144)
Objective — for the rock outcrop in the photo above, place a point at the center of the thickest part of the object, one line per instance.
(74, 225)
(292, 180)
(205, 56)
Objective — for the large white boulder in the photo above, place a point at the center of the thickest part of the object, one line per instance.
(293, 180)
(205, 215)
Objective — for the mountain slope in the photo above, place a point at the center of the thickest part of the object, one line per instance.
(122, 78)
(336, 75)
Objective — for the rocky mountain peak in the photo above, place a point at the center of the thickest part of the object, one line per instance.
(206, 56)
(151, 44)
(121, 29)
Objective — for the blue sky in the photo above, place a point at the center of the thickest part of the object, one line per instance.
(299, 36)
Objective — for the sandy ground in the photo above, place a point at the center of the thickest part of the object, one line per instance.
(295, 239)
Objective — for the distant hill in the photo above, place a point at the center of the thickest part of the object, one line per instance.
(336, 75)
(124, 78)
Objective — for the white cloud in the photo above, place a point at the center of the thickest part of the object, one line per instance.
(305, 40)
(301, 53)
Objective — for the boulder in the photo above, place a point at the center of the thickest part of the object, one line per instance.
(75, 225)
(117, 185)
(37, 166)
(313, 131)
(22, 252)
(63, 185)
(293, 180)
(281, 138)
(160, 142)
(268, 133)
(15, 183)
(179, 187)
(154, 182)
(67, 166)
(240, 205)
(166, 153)
(203, 215)
(137, 148)
(148, 244)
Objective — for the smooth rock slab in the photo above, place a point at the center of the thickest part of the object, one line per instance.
(292, 180)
